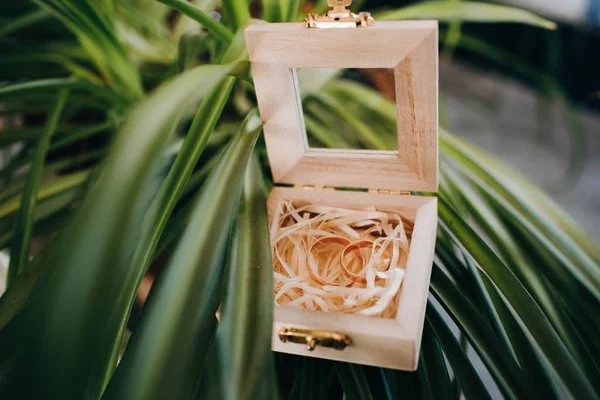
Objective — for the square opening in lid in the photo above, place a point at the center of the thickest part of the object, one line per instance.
(279, 52)
(349, 108)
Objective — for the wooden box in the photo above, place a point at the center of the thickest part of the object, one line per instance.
(410, 49)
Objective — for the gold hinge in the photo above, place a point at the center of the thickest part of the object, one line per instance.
(312, 338)
(387, 191)
(339, 17)
(313, 187)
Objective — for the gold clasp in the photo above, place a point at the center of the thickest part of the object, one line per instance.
(339, 17)
(312, 338)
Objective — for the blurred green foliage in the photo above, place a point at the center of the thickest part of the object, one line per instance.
(116, 121)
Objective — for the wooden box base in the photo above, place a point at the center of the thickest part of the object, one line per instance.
(388, 343)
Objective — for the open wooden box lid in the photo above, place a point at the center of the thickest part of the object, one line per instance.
(276, 50)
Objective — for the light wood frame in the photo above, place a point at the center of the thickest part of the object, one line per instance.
(409, 47)
(388, 343)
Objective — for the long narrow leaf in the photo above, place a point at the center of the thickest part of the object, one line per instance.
(23, 22)
(433, 367)
(484, 340)
(528, 360)
(237, 12)
(60, 185)
(195, 13)
(529, 200)
(468, 378)
(244, 334)
(533, 267)
(24, 224)
(175, 183)
(39, 86)
(545, 338)
(468, 11)
(98, 36)
(165, 354)
(75, 318)
(354, 381)
(273, 10)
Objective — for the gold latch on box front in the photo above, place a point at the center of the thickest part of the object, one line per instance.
(312, 338)
(339, 17)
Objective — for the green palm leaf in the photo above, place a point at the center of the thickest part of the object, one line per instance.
(244, 333)
(179, 319)
(467, 11)
(97, 34)
(24, 223)
(117, 202)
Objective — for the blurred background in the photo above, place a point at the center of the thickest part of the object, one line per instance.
(497, 92)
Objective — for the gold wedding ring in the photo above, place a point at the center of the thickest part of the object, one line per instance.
(323, 240)
(361, 244)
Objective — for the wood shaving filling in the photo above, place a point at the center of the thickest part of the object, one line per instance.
(338, 260)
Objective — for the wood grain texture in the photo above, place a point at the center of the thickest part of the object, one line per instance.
(409, 47)
(416, 103)
(389, 343)
(415, 288)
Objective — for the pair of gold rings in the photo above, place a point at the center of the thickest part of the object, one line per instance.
(349, 247)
